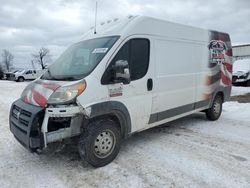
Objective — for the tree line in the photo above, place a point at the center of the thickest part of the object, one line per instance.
(7, 59)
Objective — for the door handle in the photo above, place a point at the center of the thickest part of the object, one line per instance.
(150, 84)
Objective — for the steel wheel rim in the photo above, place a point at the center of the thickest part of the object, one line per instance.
(104, 144)
(217, 107)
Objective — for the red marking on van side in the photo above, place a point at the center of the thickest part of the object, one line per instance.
(225, 79)
(229, 67)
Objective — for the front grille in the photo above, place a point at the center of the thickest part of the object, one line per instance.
(10, 76)
(22, 118)
(26, 113)
(20, 129)
(25, 122)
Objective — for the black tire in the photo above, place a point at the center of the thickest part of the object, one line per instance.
(100, 144)
(20, 79)
(214, 112)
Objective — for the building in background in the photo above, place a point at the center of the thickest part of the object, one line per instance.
(241, 52)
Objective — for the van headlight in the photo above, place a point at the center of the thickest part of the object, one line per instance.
(67, 93)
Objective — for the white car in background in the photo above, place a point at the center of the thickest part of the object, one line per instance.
(241, 72)
(29, 74)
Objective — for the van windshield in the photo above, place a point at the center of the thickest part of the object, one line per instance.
(80, 59)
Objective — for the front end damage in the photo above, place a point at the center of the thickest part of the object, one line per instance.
(35, 127)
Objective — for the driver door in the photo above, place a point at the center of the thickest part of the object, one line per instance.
(137, 95)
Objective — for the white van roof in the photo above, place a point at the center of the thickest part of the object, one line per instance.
(142, 25)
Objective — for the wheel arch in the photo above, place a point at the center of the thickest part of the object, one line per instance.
(225, 92)
(115, 110)
(221, 93)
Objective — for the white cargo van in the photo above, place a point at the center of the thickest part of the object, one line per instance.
(132, 75)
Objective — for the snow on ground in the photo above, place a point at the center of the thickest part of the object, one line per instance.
(239, 90)
(189, 152)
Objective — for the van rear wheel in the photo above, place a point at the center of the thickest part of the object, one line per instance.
(214, 112)
(100, 144)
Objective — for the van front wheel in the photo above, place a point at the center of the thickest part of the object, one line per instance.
(214, 112)
(100, 144)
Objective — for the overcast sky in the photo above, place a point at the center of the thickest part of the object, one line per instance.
(27, 25)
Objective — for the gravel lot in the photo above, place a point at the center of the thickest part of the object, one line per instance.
(189, 152)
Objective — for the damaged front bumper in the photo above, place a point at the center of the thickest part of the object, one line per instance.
(35, 127)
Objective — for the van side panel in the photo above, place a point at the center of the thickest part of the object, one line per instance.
(219, 74)
(188, 74)
(175, 75)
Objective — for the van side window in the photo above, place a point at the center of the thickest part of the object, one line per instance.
(139, 58)
(136, 52)
(123, 53)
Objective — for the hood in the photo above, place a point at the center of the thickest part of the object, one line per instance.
(241, 73)
(38, 92)
(19, 72)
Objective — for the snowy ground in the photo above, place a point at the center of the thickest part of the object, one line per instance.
(190, 152)
(240, 91)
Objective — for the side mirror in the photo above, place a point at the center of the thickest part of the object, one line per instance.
(121, 71)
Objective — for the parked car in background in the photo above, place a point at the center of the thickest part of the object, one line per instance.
(1, 75)
(29, 74)
(241, 72)
(10, 75)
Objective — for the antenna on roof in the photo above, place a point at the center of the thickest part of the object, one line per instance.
(95, 16)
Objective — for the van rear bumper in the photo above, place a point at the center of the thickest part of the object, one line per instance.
(25, 122)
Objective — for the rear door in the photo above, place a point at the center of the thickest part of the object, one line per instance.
(136, 96)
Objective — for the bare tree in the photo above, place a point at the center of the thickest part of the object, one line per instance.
(40, 57)
(7, 59)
